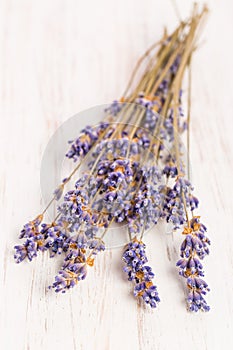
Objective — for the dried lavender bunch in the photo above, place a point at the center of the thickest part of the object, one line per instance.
(135, 174)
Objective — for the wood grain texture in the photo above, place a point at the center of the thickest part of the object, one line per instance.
(57, 58)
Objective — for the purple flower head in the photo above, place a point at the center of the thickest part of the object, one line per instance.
(170, 171)
(35, 235)
(177, 199)
(65, 280)
(135, 259)
(96, 245)
(73, 270)
(78, 240)
(194, 248)
(196, 302)
(114, 108)
(57, 235)
(73, 209)
(31, 229)
(202, 241)
(190, 266)
(148, 292)
(27, 250)
(82, 145)
(58, 192)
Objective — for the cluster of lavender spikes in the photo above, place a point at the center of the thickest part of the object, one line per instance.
(124, 190)
(173, 201)
(80, 248)
(118, 186)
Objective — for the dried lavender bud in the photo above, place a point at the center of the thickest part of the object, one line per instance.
(58, 192)
(135, 259)
(115, 108)
(56, 238)
(75, 264)
(72, 209)
(34, 240)
(193, 248)
(82, 145)
(31, 229)
(27, 250)
(176, 199)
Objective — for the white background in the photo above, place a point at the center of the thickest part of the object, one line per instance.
(58, 58)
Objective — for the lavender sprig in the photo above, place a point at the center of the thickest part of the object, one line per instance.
(193, 248)
(178, 199)
(77, 260)
(82, 145)
(135, 259)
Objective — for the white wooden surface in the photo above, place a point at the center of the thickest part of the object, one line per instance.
(57, 58)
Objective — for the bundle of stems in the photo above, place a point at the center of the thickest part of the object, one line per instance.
(136, 173)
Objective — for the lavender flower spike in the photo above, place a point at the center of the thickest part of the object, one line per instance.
(73, 270)
(77, 260)
(193, 248)
(135, 259)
